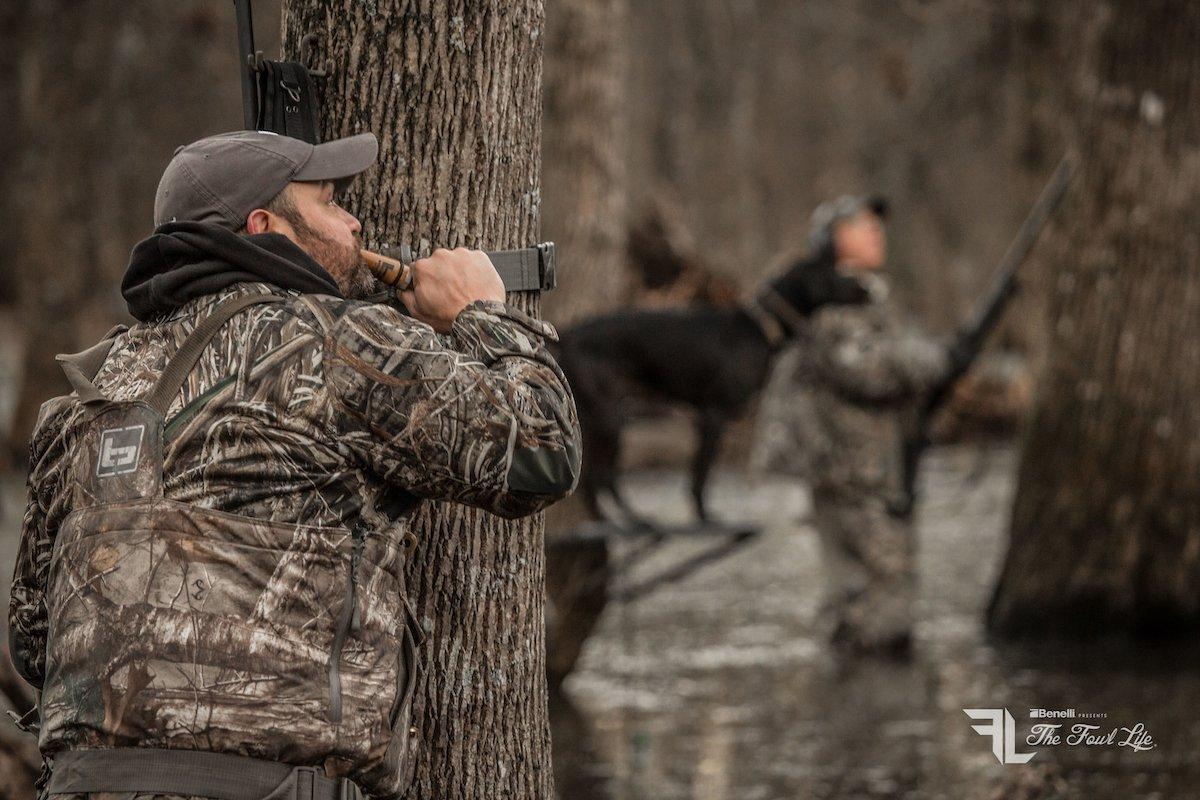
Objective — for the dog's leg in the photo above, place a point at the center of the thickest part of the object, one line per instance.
(710, 426)
(632, 517)
(597, 464)
(602, 451)
(598, 423)
(608, 472)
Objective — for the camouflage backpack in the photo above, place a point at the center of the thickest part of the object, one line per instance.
(179, 627)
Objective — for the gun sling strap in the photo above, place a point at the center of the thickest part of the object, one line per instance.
(524, 270)
(288, 103)
(528, 269)
(220, 776)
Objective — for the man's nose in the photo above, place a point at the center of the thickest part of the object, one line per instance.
(352, 222)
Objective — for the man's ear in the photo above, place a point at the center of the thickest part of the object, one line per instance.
(258, 221)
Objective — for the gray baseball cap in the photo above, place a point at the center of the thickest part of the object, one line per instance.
(223, 178)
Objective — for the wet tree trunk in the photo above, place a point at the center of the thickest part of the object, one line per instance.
(453, 91)
(1106, 527)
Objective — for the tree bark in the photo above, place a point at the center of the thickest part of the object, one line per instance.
(1106, 527)
(453, 91)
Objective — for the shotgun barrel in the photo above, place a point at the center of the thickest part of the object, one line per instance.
(245, 30)
(983, 319)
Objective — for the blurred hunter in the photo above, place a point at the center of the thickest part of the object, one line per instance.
(210, 589)
(834, 413)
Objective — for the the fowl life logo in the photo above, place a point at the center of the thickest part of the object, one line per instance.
(1003, 730)
(119, 449)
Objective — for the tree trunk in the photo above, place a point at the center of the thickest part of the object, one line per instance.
(106, 91)
(453, 91)
(584, 193)
(1106, 527)
(583, 134)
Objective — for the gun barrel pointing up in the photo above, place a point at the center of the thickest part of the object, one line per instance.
(991, 304)
(245, 30)
(983, 319)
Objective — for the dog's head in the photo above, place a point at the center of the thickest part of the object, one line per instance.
(814, 282)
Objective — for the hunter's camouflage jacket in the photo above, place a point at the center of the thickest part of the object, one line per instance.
(836, 406)
(310, 415)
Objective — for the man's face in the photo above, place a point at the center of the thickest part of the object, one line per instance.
(329, 234)
(860, 241)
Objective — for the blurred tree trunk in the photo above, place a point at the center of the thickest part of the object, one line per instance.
(583, 194)
(453, 91)
(12, 18)
(1106, 526)
(583, 190)
(56, 235)
(99, 94)
(105, 92)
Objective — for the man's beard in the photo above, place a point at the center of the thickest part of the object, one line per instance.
(343, 262)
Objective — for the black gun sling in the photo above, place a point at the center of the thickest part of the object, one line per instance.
(288, 100)
(523, 270)
(220, 776)
(527, 269)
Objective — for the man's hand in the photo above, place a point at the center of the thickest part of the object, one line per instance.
(446, 282)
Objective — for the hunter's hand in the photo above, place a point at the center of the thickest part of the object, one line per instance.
(447, 282)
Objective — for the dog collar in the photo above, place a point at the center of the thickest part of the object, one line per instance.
(774, 316)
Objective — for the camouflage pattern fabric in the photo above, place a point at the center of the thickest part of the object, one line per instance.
(204, 616)
(833, 413)
(124, 796)
(868, 556)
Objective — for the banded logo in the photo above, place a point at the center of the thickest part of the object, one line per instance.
(119, 448)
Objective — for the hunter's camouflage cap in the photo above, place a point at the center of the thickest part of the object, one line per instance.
(223, 178)
(831, 212)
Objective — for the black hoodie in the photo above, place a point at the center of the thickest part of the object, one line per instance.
(184, 260)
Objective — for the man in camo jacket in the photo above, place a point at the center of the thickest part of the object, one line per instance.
(325, 409)
(834, 413)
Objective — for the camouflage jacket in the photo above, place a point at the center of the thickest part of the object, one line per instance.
(317, 411)
(835, 408)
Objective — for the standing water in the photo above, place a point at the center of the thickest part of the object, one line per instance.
(720, 687)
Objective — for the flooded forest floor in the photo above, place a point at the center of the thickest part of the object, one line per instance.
(719, 687)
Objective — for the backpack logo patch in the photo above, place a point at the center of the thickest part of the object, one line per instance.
(119, 448)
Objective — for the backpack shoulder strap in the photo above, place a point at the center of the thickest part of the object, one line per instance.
(176, 372)
(81, 368)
